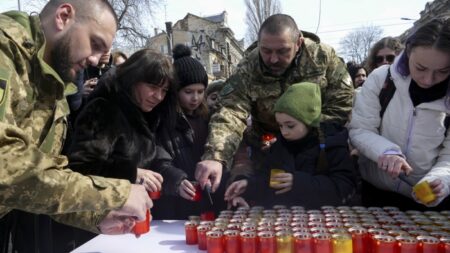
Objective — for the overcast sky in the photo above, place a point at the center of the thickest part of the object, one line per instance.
(337, 17)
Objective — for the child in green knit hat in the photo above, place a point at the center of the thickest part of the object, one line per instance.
(311, 173)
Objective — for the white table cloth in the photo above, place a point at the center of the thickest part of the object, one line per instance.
(164, 236)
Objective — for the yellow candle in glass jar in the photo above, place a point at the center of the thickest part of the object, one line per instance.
(342, 243)
(424, 192)
(274, 172)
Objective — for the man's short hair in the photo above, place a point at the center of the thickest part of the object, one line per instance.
(86, 9)
(278, 23)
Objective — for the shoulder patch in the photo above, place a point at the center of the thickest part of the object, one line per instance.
(3, 84)
(227, 89)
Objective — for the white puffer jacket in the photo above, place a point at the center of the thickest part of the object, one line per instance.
(416, 132)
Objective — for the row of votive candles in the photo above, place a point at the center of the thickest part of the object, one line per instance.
(330, 230)
(357, 240)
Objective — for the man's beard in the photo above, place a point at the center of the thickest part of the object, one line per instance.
(60, 56)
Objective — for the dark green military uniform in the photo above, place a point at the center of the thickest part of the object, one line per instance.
(33, 121)
(253, 91)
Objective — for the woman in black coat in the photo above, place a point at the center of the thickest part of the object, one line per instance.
(115, 132)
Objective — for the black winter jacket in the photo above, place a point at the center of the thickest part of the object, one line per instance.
(185, 146)
(313, 186)
(113, 137)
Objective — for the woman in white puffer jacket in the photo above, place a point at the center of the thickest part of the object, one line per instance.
(411, 135)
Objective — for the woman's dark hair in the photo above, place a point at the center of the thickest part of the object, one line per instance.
(389, 42)
(149, 66)
(434, 34)
(353, 69)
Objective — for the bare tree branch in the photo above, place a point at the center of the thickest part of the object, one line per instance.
(356, 45)
(257, 12)
(131, 32)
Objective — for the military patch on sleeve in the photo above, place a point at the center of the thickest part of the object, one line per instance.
(3, 84)
(227, 89)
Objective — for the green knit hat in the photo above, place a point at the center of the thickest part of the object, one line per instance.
(303, 102)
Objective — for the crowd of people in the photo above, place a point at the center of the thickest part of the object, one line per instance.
(87, 134)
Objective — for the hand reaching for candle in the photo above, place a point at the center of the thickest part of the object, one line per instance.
(152, 181)
(186, 190)
(235, 189)
(284, 182)
(237, 202)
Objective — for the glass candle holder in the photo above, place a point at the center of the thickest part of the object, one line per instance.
(428, 244)
(360, 239)
(274, 172)
(267, 242)
(231, 241)
(207, 216)
(198, 191)
(248, 242)
(300, 230)
(303, 242)
(284, 242)
(234, 226)
(342, 243)
(154, 195)
(397, 232)
(439, 234)
(267, 137)
(214, 242)
(406, 244)
(383, 244)
(444, 244)
(194, 218)
(190, 229)
(201, 236)
(424, 192)
(322, 243)
(142, 227)
(315, 230)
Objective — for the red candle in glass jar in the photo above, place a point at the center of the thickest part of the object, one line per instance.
(198, 191)
(267, 242)
(190, 229)
(322, 243)
(248, 242)
(142, 227)
(201, 236)
(214, 242)
(383, 244)
(231, 241)
(303, 242)
(267, 137)
(428, 244)
(406, 244)
(154, 195)
(444, 244)
(207, 216)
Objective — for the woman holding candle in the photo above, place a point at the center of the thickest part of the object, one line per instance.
(115, 132)
(318, 169)
(410, 137)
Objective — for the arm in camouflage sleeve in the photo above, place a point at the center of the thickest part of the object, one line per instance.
(86, 220)
(338, 97)
(227, 125)
(37, 182)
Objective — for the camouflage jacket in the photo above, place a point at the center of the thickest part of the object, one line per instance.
(253, 91)
(33, 111)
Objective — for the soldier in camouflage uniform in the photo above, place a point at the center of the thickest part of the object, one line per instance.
(39, 57)
(283, 56)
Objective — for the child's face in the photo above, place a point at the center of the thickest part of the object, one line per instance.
(191, 96)
(291, 128)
